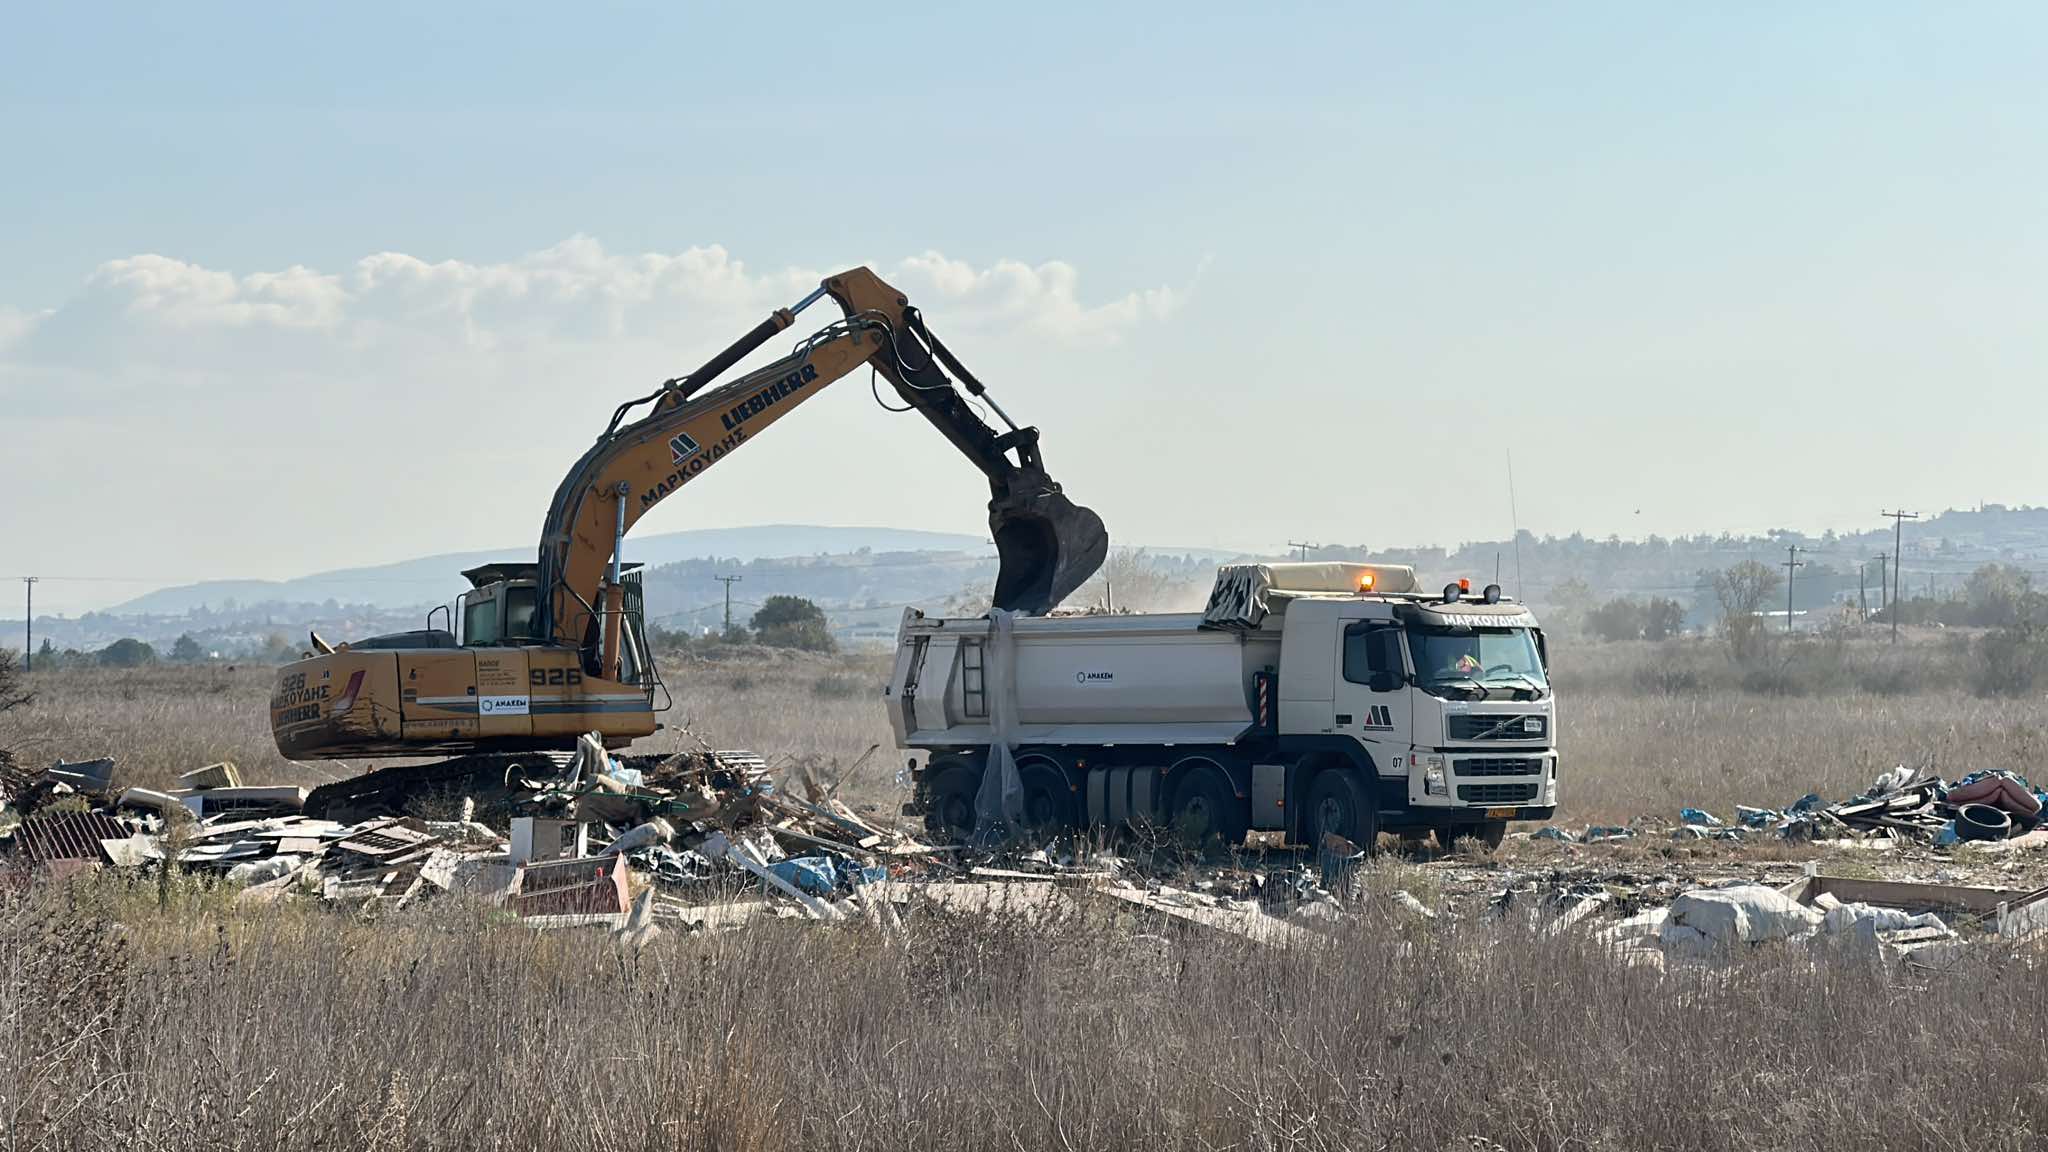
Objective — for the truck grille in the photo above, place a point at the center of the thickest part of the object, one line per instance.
(1499, 766)
(1470, 727)
(1496, 793)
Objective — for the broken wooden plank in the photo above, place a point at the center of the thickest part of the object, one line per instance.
(1907, 894)
(802, 837)
(1251, 924)
(386, 842)
(717, 844)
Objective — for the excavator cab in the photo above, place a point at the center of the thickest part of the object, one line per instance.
(502, 609)
(501, 606)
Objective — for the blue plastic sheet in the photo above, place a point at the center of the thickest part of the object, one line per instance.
(811, 875)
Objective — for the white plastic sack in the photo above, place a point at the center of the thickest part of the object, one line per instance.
(1747, 914)
(1867, 920)
(1639, 926)
(261, 871)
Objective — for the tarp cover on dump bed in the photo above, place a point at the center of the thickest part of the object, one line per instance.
(1239, 599)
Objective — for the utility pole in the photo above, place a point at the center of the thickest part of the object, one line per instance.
(1303, 547)
(728, 581)
(1862, 594)
(1792, 565)
(28, 649)
(1898, 558)
(1884, 588)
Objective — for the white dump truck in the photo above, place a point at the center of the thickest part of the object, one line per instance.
(1309, 699)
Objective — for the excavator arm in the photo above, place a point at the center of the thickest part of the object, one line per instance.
(1046, 545)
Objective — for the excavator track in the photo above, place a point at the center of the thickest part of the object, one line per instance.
(490, 779)
(403, 789)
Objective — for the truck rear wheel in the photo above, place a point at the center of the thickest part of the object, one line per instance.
(1207, 809)
(1491, 834)
(950, 789)
(1337, 806)
(1048, 797)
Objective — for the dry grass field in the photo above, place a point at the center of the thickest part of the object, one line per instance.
(1632, 745)
(210, 1025)
(288, 1029)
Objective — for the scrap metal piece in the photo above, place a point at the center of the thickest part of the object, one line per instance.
(67, 836)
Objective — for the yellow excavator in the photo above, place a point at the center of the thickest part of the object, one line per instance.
(556, 648)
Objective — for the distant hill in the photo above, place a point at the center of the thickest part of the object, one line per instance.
(434, 579)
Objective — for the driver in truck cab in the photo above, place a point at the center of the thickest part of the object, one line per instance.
(1466, 666)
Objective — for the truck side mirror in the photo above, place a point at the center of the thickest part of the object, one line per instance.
(1384, 682)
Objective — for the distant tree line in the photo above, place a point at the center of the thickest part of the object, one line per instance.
(780, 622)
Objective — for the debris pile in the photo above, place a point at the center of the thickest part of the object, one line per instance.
(700, 840)
(1904, 804)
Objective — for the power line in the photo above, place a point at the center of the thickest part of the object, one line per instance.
(28, 647)
(1514, 525)
(1792, 565)
(728, 581)
(1303, 547)
(1898, 557)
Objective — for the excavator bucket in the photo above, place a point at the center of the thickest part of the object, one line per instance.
(1047, 546)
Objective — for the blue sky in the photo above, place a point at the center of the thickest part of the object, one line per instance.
(1300, 271)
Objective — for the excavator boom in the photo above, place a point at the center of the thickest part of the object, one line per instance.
(1047, 546)
(552, 650)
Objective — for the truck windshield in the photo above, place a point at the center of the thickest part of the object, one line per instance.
(1485, 656)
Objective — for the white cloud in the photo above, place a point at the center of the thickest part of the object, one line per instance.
(155, 309)
(16, 324)
(285, 421)
(1041, 299)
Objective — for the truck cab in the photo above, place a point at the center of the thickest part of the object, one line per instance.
(1448, 703)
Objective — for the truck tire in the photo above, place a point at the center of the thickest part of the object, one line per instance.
(1491, 834)
(1206, 809)
(1337, 806)
(1048, 797)
(950, 789)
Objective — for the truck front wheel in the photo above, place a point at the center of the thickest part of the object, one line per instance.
(1338, 807)
(1206, 808)
(950, 789)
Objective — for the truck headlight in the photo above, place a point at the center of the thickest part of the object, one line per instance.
(1433, 783)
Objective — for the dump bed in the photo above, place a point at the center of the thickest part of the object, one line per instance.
(1110, 679)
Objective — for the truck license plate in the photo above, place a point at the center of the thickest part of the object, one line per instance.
(1500, 813)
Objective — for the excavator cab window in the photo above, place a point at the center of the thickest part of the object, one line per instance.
(500, 613)
(480, 611)
(522, 602)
